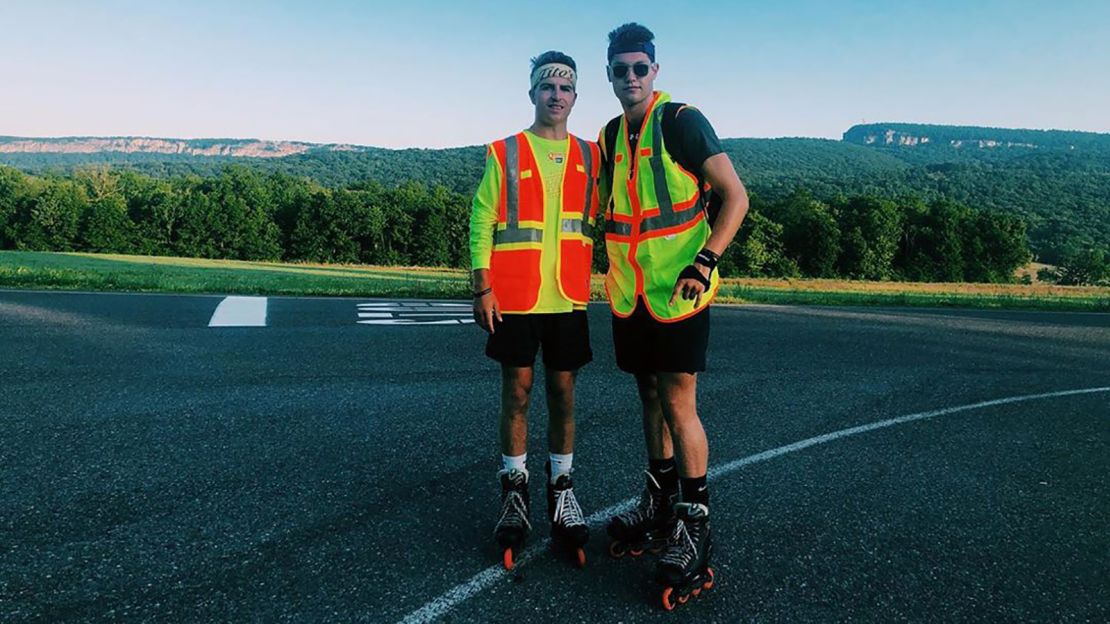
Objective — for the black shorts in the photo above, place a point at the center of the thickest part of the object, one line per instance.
(645, 345)
(565, 339)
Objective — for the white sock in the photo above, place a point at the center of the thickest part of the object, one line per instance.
(560, 464)
(514, 462)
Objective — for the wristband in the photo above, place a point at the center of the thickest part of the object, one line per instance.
(692, 272)
(483, 293)
(707, 259)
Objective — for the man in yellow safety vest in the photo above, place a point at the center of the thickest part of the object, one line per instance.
(531, 247)
(667, 178)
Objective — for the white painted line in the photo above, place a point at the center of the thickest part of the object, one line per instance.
(443, 603)
(240, 312)
(406, 321)
(375, 315)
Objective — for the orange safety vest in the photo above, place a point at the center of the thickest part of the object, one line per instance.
(521, 211)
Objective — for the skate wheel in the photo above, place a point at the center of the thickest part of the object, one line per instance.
(696, 592)
(668, 604)
(508, 559)
(683, 599)
(617, 549)
(635, 552)
(709, 584)
(581, 555)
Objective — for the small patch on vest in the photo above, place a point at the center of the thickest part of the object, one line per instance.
(669, 236)
(557, 158)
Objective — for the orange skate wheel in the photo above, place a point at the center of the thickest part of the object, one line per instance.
(635, 552)
(709, 584)
(508, 559)
(683, 599)
(668, 604)
(581, 554)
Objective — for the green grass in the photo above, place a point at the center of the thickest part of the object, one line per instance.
(99, 272)
(95, 272)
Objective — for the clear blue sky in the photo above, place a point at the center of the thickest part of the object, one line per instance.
(419, 73)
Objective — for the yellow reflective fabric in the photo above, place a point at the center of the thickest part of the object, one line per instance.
(657, 224)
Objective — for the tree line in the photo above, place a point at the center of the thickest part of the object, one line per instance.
(246, 214)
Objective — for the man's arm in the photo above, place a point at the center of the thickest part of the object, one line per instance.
(699, 143)
(483, 223)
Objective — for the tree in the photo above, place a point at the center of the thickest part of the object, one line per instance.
(931, 249)
(50, 222)
(810, 236)
(870, 230)
(1083, 267)
(105, 226)
(758, 250)
(994, 246)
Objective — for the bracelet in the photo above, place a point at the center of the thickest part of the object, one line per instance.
(483, 293)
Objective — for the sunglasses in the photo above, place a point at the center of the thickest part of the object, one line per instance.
(620, 70)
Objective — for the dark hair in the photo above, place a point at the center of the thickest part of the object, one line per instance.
(553, 56)
(630, 33)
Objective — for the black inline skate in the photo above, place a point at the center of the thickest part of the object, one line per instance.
(683, 568)
(513, 524)
(568, 528)
(647, 526)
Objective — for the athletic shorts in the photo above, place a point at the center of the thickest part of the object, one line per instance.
(565, 339)
(645, 345)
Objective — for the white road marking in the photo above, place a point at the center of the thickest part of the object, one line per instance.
(443, 603)
(414, 313)
(240, 312)
(409, 321)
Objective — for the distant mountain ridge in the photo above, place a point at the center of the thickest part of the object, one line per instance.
(909, 135)
(880, 135)
(235, 148)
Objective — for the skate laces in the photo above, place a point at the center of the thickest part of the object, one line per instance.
(681, 548)
(514, 513)
(645, 510)
(567, 510)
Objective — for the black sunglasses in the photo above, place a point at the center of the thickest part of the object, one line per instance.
(620, 70)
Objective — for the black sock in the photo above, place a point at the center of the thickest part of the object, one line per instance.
(665, 471)
(695, 491)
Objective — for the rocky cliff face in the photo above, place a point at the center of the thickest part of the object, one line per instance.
(973, 137)
(200, 147)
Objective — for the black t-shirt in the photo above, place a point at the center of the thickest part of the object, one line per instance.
(689, 139)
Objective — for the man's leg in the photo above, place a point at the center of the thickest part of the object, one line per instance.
(560, 408)
(516, 392)
(513, 524)
(657, 436)
(678, 399)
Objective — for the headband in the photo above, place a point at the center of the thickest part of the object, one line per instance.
(554, 70)
(646, 47)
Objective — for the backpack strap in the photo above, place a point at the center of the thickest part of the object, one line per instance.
(608, 140)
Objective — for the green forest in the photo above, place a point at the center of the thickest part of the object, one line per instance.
(820, 208)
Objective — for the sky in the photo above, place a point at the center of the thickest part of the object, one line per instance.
(415, 73)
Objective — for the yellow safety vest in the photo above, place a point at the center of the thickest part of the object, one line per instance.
(656, 226)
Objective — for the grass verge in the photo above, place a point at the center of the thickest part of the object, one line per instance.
(103, 272)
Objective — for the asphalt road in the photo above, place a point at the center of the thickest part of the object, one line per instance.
(317, 469)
